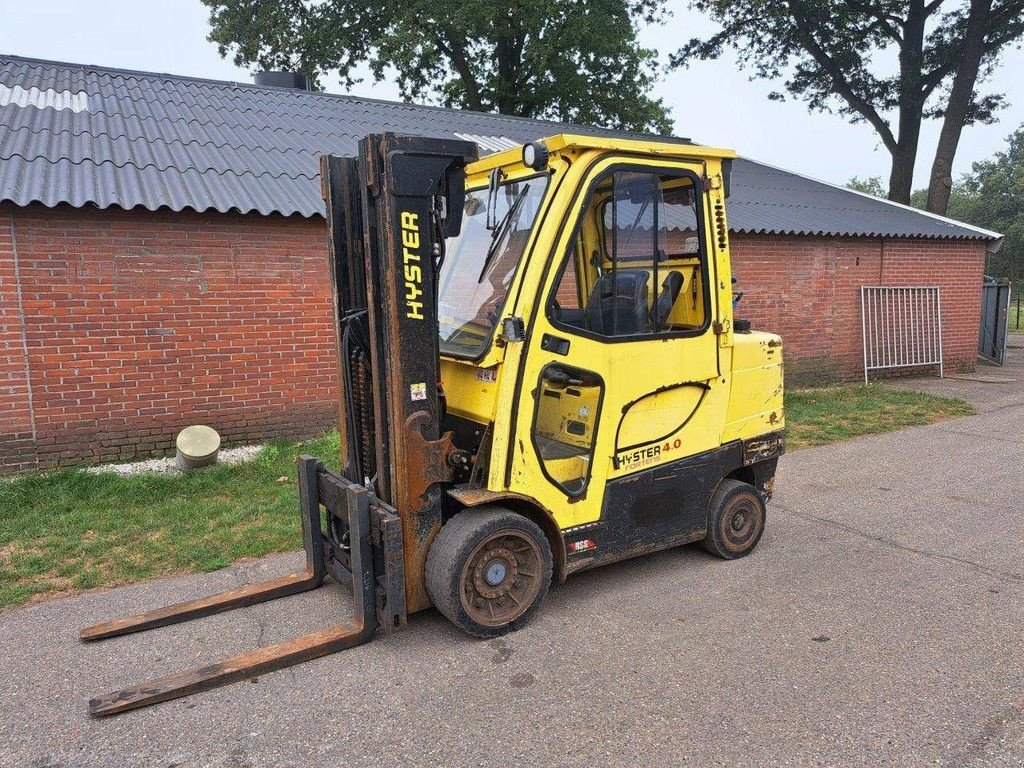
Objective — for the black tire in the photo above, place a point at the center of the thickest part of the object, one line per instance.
(736, 520)
(489, 570)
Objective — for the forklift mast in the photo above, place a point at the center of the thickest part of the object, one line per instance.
(389, 212)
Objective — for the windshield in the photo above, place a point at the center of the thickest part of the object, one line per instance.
(480, 264)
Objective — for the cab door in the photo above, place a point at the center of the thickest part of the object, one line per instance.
(621, 393)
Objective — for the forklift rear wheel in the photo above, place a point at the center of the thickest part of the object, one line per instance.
(488, 570)
(735, 520)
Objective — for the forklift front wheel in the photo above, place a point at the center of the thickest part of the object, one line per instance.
(488, 570)
(735, 520)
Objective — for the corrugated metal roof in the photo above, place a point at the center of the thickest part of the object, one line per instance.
(86, 135)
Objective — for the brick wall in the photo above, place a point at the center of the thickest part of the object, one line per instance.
(137, 324)
(808, 290)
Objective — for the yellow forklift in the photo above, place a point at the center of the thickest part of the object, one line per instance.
(540, 373)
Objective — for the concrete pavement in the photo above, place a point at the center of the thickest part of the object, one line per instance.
(879, 623)
(990, 387)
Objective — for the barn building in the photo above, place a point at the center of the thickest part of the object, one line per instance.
(163, 258)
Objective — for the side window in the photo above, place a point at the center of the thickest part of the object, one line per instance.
(637, 266)
(569, 303)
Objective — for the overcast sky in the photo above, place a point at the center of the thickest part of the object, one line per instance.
(712, 102)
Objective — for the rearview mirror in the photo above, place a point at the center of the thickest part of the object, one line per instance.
(493, 183)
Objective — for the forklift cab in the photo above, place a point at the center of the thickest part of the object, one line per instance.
(612, 408)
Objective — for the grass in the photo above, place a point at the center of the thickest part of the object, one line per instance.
(70, 529)
(1016, 317)
(830, 414)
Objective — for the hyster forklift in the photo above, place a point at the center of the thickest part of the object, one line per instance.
(540, 373)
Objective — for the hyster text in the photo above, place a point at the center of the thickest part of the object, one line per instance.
(411, 266)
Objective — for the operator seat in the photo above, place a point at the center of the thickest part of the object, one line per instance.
(618, 304)
(670, 289)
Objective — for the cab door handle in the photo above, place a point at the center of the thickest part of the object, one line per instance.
(559, 378)
(555, 344)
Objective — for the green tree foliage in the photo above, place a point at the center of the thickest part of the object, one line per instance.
(574, 60)
(870, 185)
(831, 53)
(992, 196)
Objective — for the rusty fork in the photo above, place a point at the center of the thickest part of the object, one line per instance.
(359, 567)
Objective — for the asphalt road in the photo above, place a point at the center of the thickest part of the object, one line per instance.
(880, 622)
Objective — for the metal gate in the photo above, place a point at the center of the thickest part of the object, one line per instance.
(995, 316)
(901, 327)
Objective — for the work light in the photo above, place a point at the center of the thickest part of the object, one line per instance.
(535, 155)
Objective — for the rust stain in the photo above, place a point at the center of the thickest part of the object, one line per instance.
(472, 497)
(426, 460)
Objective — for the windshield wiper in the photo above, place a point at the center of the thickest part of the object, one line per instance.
(500, 230)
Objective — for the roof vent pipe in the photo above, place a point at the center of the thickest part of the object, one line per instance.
(294, 80)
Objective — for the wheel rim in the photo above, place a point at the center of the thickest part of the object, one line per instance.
(741, 523)
(501, 578)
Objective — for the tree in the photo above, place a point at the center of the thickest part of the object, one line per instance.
(824, 51)
(972, 36)
(575, 60)
(872, 185)
(992, 196)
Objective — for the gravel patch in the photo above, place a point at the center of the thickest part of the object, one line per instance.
(167, 465)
